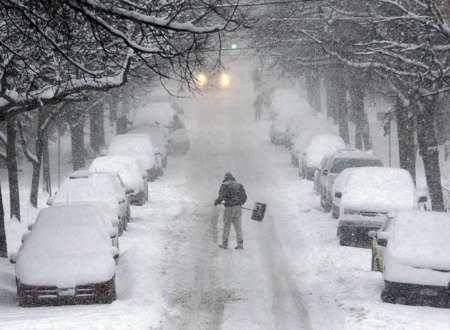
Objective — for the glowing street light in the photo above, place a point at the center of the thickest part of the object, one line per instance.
(224, 80)
(202, 79)
(233, 46)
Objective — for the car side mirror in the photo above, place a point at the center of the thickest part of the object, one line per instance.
(338, 194)
(423, 199)
(13, 258)
(325, 172)
(382, 241)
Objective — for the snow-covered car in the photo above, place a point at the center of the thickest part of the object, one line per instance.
(67, 258)
(130, 173)
(335, 164)
(320, 146)
(370, 194)
(412, 252)
(139, 146)
(100, 189)
(159, 137)
(284, 129)
(338, 189)
(179, 142)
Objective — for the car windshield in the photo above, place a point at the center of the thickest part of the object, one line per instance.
(341, 164)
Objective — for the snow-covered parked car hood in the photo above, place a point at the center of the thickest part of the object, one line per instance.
(65, 251)
(379, 189)
(126, 167)
(421, 239)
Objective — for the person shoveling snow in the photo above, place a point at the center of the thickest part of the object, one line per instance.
(234, 196)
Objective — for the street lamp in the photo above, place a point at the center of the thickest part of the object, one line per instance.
(201, 79)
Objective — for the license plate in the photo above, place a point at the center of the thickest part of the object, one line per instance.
(66, 292)
(428, 292)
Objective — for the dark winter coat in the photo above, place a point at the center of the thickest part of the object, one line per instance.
(232, 193)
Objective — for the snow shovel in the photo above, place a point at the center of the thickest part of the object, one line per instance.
(258, 211)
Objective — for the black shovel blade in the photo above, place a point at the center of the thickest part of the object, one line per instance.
(258, 211)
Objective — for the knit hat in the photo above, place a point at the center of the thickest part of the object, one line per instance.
(228, 177)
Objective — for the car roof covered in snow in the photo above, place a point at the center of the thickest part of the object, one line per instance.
(65, 248)
(136, 145)
(126, 167)
(94, 188)
(421, 239)
(322, 145)
(379, 189)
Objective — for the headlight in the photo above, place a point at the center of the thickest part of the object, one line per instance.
(350, 212)
(224, 80)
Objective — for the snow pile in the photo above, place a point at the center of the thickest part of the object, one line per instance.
(126, 167)
(67, 247)
(421, 239)
(322, 145)
(379, 189)
(155, 113)
(137, 145)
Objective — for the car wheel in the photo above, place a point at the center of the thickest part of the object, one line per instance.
(387, 297)
(22, 299)
(106, 292)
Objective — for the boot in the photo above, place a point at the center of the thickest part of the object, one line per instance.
(240, 246)
(224, 245)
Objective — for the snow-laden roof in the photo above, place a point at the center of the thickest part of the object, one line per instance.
(320, 146)
(94, 188)
(379, 189)
(421, 239)
(126, 167)
(160, 112)
(66, 247)
(137, 145)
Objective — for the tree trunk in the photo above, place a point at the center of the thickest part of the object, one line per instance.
(11, 163)
(35, 178)
(3, 245)
(341, 104)
(330, 88)
(96, 127)
(77, 139)
(113, 107)
(362, 131)
(312, 79)
(47, 184)
(428, 146)
(405, 135)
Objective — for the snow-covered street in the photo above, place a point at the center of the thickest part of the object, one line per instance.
(171, 275)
